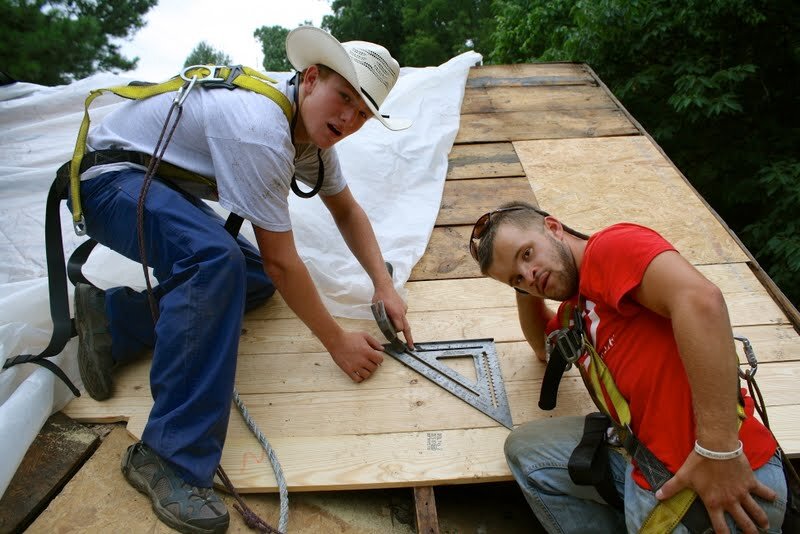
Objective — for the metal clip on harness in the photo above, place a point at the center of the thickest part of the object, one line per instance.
(751, 359)
(212, 80)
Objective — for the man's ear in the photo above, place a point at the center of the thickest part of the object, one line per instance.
(554, 225)
(310, 78)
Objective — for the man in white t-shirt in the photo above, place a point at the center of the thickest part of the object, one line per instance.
(207, 279)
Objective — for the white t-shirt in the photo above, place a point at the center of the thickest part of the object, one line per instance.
(239, 138)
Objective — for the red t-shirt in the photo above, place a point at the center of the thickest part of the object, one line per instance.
(638, 347)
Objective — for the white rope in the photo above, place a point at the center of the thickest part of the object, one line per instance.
(273, 459)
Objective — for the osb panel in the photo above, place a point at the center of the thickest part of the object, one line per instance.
(550, 124)
(591, 183)
(490, 160)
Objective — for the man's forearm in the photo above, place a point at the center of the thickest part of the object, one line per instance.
(360, 238)
(296, 287)
(703, 333)
(533, 317)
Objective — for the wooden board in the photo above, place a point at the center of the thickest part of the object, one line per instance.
(99, 499)
(544, 98)
(56, 453)
(491, 160)
(463, 201)
(591, 183)
(551, 124)
(530, 75)
(292, 388)
(748, 301)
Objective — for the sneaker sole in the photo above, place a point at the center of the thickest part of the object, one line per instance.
(97, 385)
(140, 484)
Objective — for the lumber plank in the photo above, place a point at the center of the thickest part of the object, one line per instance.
(489, 160)
(550, 124)
(542, 98)
(447, 256)
(463, 201)
(734, 279)
(425, 506)
(57, 452)
(351, 461)
(591, 183)
(529, 75)
(785, 424)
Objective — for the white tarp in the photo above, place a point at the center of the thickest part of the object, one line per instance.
(398, 178)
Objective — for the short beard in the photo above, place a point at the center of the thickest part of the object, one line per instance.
(569, 270)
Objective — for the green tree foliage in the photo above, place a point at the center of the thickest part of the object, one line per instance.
(417, 32)
(273, 44)
(714, 81)
(205, 54)
(377, 21)
(436, 30)
(55, 42)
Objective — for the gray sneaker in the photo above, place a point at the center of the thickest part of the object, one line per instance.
(183, 507)
(94, 341)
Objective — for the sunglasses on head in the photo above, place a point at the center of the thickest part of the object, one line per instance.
(481, 225)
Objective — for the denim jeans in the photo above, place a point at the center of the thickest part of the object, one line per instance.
(206, 281)
(538, 453)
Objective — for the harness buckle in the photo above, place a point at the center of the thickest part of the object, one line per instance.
(214, 79)
(212, 70)
(566, 343)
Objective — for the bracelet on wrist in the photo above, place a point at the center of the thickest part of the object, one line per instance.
(714, 455)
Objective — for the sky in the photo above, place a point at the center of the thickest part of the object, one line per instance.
(174, 27)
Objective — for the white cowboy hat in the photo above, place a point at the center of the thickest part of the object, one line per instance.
(368, 67)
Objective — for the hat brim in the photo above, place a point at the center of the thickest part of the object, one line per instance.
(307, 45)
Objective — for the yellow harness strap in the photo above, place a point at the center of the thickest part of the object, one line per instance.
(667, 514)
(243, 77)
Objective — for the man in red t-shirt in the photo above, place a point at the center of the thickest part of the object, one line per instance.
(662, 330)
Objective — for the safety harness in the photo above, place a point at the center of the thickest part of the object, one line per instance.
(588, 464)
(67, 182)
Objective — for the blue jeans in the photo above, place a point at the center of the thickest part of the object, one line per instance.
(538, 453)
(206, 281)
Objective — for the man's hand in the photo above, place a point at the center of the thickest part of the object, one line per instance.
(396, 310)
(723, 486)
(358, 354)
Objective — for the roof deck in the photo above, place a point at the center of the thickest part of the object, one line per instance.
(550, 134)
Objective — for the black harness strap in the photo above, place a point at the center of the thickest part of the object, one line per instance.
(63, 327)
(589, 466)
(696, 518)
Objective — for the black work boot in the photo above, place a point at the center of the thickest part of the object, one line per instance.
(180, 505)
(94, 341)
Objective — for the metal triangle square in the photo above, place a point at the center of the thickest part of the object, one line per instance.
(487, 393)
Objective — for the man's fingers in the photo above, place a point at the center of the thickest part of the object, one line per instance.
(670, 488)
(743, 521)
(374, 343)
(718, 521)
(755, 512)
(764, 492)
(407, 334)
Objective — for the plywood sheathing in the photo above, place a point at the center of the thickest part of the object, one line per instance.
(397, 429)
